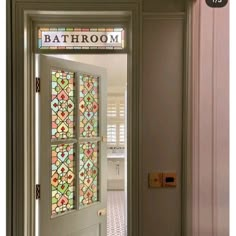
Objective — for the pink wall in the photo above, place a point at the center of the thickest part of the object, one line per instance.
(210, 120)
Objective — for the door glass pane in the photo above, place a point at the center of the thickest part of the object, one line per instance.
(63, 178)
(88, 173)
(63, 104)
(89, 105)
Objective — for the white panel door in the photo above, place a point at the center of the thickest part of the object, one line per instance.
(72, 169)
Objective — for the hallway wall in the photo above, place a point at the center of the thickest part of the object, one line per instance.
(210, 157)
(162, 106)
(115, 173)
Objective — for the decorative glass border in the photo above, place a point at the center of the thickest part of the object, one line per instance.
(106, 46)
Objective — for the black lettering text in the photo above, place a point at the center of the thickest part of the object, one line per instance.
(64, 36)
(47, 38)
(94, 38)
(114, 39)
(56, 39)
(104, 38)
(75, 38)
(84, 38)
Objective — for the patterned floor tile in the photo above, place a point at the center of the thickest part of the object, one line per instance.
(116, 225)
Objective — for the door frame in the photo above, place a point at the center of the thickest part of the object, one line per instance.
(21, 166)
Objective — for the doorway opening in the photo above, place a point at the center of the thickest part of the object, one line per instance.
(116, 140)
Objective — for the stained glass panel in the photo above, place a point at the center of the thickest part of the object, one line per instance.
(63, 178)
(88, 173)
(63, 104)
(68, 38)
(88, 105)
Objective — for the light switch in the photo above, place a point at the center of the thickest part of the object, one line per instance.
(155, 180)
(169, 179)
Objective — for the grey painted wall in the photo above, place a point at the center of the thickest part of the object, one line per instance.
(162, 122)
(164, 5)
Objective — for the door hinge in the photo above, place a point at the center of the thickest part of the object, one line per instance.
(37, 84)
(37, 191)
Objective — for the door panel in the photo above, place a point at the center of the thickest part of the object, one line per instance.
(72, 151)
(90, 231)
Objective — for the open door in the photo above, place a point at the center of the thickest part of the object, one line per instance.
(72, 149)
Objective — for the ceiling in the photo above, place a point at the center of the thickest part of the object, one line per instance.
(116, 65)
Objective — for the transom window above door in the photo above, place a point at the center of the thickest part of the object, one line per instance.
(77, 38)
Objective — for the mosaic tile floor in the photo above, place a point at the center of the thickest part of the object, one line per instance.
(116, 213)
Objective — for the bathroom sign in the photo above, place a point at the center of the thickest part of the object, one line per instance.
(81, 38)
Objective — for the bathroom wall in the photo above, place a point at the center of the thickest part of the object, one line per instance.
(116, 174)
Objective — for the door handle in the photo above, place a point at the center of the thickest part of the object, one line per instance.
(104, 139)
(102, 212)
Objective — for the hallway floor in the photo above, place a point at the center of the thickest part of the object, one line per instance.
(116, 213)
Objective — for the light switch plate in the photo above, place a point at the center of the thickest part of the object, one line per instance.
(155, 180)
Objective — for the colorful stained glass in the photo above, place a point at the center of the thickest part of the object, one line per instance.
(88, 173)
(63, 104)
(63, 178)
(61, 38)
(88, 105)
